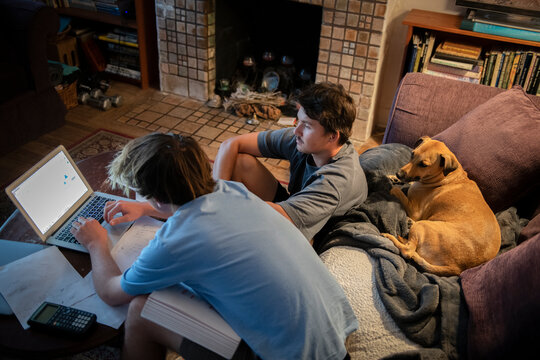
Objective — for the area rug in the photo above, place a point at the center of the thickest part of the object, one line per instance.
(93, 144)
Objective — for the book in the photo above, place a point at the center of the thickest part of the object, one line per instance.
(432, 68)
(467, 24)
(524, 69)
(532, 65)
(176, 308)
(459, 49)
(457, 64)
(123, 71)
(419, 53)
(429, 51)
(496, 69)
(110, 37)
(181, 311)
(441, 54)
(489, 69)
(535, 78)
(507, 67)
(513, 70)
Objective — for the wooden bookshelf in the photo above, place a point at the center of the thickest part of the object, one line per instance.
(447, 26)
(145, 24)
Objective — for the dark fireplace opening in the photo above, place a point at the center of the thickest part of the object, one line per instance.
(266, 46)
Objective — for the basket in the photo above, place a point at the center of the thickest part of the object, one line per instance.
(68, 94)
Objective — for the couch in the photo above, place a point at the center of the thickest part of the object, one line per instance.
(491, 311)
(29, 104)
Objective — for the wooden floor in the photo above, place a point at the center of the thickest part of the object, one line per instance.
(84, 120)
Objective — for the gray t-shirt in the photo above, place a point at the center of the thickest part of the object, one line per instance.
(317, 193)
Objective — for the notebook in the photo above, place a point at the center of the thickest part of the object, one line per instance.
(53, 194)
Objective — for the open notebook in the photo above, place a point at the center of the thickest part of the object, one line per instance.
(53, 194)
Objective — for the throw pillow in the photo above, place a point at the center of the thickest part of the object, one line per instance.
(497, 144)
(531, 229)
(503, 298)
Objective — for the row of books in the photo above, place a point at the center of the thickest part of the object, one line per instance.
(497, 67)
(105, 6)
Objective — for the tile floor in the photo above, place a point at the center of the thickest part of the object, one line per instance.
(209, 126)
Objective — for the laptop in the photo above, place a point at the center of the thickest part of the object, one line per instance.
(53, 194)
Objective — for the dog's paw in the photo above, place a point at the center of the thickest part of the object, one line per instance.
(394, 180)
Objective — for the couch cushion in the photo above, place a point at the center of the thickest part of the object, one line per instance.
(530, 230)
(497, 144)
(503, 297)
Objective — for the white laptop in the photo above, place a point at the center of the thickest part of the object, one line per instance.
(53, 194)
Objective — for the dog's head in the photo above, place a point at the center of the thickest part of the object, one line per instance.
(431, 161)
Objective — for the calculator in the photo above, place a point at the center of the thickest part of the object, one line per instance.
(62, 319)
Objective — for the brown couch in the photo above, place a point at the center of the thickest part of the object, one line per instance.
(29, 105)
(491, 311)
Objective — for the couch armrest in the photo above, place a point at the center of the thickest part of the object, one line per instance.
(426, 105)
(29, 24)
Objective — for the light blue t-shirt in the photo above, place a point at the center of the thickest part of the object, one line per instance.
(317, 193)
(255, 268)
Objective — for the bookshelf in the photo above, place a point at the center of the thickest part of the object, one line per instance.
(144, 25)
(447, 27)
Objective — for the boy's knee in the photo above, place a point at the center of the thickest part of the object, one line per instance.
(244, 164)
(134, 318)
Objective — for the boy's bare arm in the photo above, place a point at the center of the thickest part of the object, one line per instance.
(228, 152)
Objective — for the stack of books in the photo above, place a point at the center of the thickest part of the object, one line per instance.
(457, 61)
(108, 6)
(502, 24)
(122, 53)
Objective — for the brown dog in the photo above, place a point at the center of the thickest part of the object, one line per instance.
(453, 227)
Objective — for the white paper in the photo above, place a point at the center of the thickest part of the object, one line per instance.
(130, 245)
(83, 296)
(26, 283)
(287, 121)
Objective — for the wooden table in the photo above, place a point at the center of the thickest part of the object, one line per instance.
(14, 340)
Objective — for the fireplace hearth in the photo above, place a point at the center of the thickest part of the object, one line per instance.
(204, 44)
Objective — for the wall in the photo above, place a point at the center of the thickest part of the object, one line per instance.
(393, 47)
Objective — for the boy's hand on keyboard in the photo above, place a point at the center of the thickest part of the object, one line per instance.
(89, 233)
(130, 210)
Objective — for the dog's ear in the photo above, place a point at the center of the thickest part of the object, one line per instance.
(448, 163)
(420, 141)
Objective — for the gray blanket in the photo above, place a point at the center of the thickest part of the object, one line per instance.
(429, 309)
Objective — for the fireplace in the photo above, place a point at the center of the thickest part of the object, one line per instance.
(347, 48)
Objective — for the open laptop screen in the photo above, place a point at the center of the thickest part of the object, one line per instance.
(50, 191)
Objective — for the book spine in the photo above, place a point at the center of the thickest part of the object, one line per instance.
(504, 69)
(489, 70)
(445, 56)
(525, 69)
(496, 69)
(474, 74)
(455, 64)
(467, 24)
(117, 41)
(431, 44)
(507, 69)
(532, 65)
(513, 70)
(536, 78)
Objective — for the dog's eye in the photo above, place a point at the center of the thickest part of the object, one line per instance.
(423, 164)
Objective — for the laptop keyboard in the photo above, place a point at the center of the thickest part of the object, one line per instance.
(94, 209)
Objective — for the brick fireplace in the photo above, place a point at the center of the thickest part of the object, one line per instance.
(349, 49)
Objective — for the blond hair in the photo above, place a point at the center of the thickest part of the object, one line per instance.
(170, 168)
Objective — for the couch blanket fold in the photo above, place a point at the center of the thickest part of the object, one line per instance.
(430, 310)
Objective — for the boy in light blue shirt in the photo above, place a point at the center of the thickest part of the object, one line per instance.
(249, 262)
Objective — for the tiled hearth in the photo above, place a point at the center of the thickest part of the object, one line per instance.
(349, 49)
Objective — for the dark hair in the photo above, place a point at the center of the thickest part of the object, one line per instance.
(331, 106)
(172, 169)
